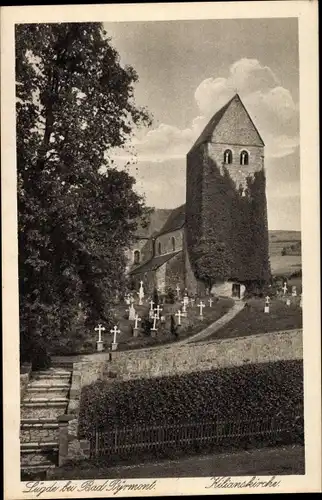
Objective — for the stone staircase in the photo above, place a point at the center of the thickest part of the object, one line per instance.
(45, 399)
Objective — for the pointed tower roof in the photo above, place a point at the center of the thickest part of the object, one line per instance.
(217, 119)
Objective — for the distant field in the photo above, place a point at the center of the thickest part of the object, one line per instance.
(286, 264)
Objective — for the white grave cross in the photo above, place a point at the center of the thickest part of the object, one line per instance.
(151, 305)
(100, 329)
(201, 306)
(115, 331)
(285, 288)
(210, 302)
(154, 322)
(179, 314)
(136, 320)
(178, 290)
(158, 309)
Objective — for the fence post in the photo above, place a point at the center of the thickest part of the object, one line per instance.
(96, 441)
(63, 421)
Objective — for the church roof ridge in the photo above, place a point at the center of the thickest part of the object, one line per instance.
(216, 118)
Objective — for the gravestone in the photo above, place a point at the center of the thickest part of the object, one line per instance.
(131, 311)
(99, 343)
(294, 292)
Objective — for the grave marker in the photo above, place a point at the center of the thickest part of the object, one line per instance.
(141, 293)
(210, 302)
(131, 312)
(154, 329)
(136, 328)
(179, 314)
(158, 309)
(99, 343)
(114, 331)
(294, 292)
(284, 288)
(201, 305)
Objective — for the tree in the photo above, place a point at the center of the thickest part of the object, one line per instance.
(212, 260)
(77, 212)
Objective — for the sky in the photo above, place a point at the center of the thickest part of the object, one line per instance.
(187, 71)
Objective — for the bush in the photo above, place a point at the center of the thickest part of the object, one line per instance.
(248, 391)
(146, 325)
(170, 296)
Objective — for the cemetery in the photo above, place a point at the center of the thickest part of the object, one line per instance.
(261, 315)
(151, 321)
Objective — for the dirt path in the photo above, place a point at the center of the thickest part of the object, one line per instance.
(257, 462)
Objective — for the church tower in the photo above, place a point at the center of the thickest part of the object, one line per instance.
(225, 195)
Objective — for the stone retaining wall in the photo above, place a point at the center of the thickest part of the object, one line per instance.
(24, 378)
(172, 360)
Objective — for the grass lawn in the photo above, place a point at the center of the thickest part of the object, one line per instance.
(285, 264)
(189, 326)
(252, 319)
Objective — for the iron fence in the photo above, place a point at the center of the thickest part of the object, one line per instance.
(217, 431)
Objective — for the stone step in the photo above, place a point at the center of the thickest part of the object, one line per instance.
(45, 386)
(38, 459)
(52, 371)
(46, 383)
(34, 400)
(45, 465)
(50, 376)
(38, 446)
(43, 411)
(38, 431)
(51, 393)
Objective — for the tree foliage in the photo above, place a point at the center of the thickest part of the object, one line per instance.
(77, 212)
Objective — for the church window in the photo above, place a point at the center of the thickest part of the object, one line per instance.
(137, 257)
(173, 242)
(244, 158)
(228, 156)
(159, 248)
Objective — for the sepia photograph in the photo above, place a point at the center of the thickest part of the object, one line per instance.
(159, 252)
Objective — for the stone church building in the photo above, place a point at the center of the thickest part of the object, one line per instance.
(230, 144)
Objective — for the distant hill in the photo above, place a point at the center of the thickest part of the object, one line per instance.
(281, 239)
(285, 263)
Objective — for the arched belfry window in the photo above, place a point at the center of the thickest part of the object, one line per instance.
(136, 257)
(173, 242)
(228, 156)
(244, 158)
(159, 248)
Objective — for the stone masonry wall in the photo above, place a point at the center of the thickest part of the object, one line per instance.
(166, 242)
(165, 361)
(206, 356)
(174, 271)
(236, 171)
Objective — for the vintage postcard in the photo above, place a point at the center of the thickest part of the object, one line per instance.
(160, 204)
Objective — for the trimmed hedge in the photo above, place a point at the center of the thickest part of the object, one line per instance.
(248, 391)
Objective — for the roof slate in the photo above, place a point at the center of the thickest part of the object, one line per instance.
(207, 132)
(154, 263)
(175, 220)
